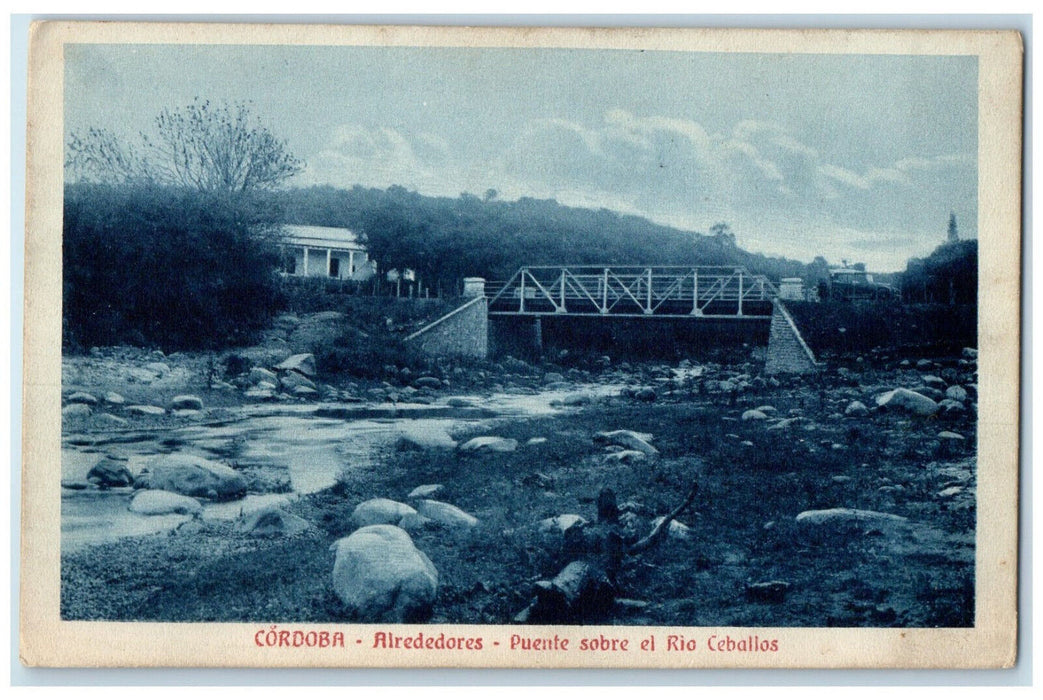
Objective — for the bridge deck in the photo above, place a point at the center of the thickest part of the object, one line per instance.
(635, 291)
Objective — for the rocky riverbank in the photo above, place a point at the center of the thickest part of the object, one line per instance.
(847, 498)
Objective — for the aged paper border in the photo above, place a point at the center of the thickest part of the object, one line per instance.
(46, 640)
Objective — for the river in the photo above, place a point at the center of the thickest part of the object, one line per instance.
(312, 444)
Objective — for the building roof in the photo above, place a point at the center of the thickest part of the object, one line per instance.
(322, 237)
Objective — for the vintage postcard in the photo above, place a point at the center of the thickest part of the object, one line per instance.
(546, 348)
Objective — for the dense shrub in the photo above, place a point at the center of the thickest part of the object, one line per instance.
(857, 327)
(166, 267)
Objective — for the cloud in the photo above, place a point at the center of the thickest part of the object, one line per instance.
(780, 195)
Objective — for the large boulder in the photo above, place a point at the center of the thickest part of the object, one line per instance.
(425, 436)
(445, 514)
(157, 502)
(193, 476)
(260, 374)
(293, 380)
(489, 443)
(110, 472)
(380, 511)
(909, 401)
(303, 363)
(381, 576)
(628, 439)
(271, 521)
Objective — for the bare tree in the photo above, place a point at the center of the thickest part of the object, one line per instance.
(212, 148)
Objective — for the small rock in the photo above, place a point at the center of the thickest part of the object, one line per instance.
(112, 420)
(260, 374)
(561, 523)
(907, 400)
(951, 406)
(924, 364)
(754, 414)
(186, 402)
(159, 502)
(159, 368)
(950, 492)
(425, 491)
(847, 516)
(381, 576)
(460, 402)
(303, 363)
(141, 375)
(76, 410)
(489, 443)
(271, 521)
(292, 379)
(445, 514)
(380, 511)
(82, 397)
(645, 394)
(626, 456)
(536, 441)
(259, 394)
(143, 410)
(956, 393)
(111, 472)
(427, 382)
(856, 409)
(627, 438)
(113, 398)
(932, 380)
(949, 435)
(769, 410)
(970, 353)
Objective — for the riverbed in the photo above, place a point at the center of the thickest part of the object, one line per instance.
(305, 447)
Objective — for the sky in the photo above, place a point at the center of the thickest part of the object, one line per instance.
(852, 157)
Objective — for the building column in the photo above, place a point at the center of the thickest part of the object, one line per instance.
(305, 261)
(329, 258)
(351, 263)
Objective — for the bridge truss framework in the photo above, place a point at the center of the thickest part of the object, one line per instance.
(604, 290)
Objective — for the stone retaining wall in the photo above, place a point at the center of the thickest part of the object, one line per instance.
(787, 351)
(463, 332)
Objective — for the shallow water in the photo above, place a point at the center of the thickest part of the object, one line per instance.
(298, 440)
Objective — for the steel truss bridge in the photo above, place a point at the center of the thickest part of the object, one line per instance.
(637, 291)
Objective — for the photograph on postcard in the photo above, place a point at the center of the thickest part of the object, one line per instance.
(488, 343)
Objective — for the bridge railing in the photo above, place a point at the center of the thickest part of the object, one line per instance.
(632, 290)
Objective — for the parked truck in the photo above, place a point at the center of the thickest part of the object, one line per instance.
(848, 284)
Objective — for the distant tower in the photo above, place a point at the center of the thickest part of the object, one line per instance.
(954, 233)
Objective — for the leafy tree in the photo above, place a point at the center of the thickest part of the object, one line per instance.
(210, 148)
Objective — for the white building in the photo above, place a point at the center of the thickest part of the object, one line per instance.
(324, 251)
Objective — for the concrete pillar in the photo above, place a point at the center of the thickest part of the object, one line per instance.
(538, 337)
(474, 287)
